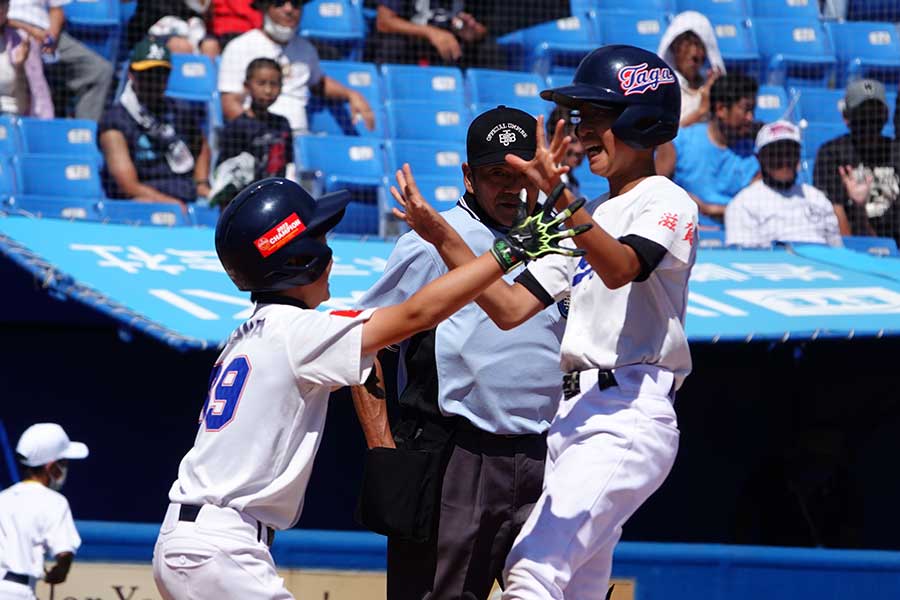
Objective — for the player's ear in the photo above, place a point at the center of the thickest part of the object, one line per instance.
(468, 178)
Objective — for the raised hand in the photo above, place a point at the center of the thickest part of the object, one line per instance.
(858, 188)
(545, 170)
(539, 234)
(417, 212)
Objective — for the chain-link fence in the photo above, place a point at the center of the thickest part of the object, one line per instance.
(338, 94)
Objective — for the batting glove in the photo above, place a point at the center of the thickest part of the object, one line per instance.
(538, 235)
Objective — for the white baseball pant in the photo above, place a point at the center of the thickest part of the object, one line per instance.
(10, 590)
(607, 452)
(217, 556)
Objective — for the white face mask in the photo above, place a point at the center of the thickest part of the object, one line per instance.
(56, 484)
(280, 33)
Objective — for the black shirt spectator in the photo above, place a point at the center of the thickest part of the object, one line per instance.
(267, 138)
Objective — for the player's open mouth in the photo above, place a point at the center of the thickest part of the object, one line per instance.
(593, 151)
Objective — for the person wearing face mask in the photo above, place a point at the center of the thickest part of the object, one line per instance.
(859, 171)
(688, 44)
(713, 161)
(35, 519)
(299, 60)
(153, 147)
(778, 207)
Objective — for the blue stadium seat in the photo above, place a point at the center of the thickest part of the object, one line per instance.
(425, 84)
(728, 8)
(204, 216)
(64, 176)
(96, 23)
(711, 238)
(786, 9)
(340, 23)
(635, 29)
(512, 88)
(555, 80)
(342, 161)
(771, 103)
(9, 136)
(55, 207)
(866, 49)
(360, 218)
(873, 10)
(130, 212)
(441, 192)
(428, 120)
(737, 44)
(546, 47)
(442, 159)
(795, 52)
(62, 137)
(193, 77)
(7, 179)
(819, 105)
(645, 7)
(879, 246)
(591, 185)
(817, 134)
(334, 117)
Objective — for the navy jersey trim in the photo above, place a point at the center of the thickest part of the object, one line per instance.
(527, 280)
(649, 254)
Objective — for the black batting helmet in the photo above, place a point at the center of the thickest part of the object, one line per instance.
(638, 82)
(268, 236)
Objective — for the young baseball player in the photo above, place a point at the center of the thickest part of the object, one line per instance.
(35, 519)
(265, 411)
(615, 436)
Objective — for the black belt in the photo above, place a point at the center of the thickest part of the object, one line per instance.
(189, 512)
(572, 382)
(17, 578)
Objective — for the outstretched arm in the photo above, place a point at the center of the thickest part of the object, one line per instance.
(531, 238)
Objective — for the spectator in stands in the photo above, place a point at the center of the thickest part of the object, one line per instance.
(575, 150)
(154, 147)
(859, 171)
(434, 32)
(688, 44)
(179, 23)
(23, 89)
(278, 40)
(778, 207)
(258, 144)
(707, 159)
(231, 18)
(72, 69)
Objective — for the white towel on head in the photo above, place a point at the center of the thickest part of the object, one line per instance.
(691, 20)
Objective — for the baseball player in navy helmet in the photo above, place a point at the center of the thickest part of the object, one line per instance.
(625, 353)
(263, 416)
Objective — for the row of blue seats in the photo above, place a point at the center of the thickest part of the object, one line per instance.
(801, 52)
(880, 10)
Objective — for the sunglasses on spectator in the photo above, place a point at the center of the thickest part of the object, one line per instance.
(280, 3)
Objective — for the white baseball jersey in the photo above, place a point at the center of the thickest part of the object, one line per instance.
(760, 215)
(265, 411)
(641, 322)
(34, 521)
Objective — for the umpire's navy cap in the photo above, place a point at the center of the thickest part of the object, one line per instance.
(498, 132)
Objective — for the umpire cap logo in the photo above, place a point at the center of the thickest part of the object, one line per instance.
(506, 137)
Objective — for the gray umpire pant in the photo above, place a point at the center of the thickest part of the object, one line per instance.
(85, 74)
(489, 488)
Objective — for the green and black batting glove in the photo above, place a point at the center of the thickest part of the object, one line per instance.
(539, 234)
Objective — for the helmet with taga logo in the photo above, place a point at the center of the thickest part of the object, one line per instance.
(269, 238)
(633, 80)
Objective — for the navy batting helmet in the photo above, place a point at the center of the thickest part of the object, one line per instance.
(268, 236)
(635, 80)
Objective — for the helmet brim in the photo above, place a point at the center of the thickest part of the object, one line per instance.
(576, 94)
(329, 212)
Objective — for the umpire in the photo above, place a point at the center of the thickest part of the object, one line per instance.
(474, 402)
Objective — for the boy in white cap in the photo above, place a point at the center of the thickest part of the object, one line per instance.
(778, 208)
(35, 519)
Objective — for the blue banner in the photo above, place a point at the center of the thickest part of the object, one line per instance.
(169, 283)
